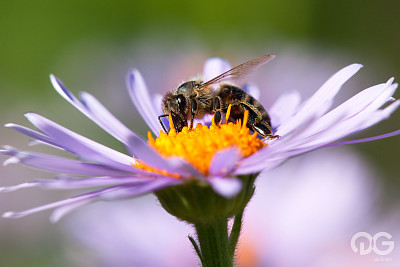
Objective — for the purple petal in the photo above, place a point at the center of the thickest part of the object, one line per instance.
(140, 97)
(67, 183)
(273, 152)
(157, 103)
(336, 131)
(362, 104)
(189, 170)
(5, 189)
(260, 165)
(350, 126)
(107, 121)
(252, 89)
(80, 145)
(214, 67)
(34, 134)
(60, 212)
(133, 191)
(320, 101)
(151, 157)
(95, 111)
(226, 186)
(90, 150)
(57, 164)
(38, 142)
(373, 97)
(67, 205)
(224, 161)
(284, 108)
(122, 192)
(88, 196)
(363, 140)
(157, 100)
(67, 95)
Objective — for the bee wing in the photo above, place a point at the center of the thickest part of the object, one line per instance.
(241, 70)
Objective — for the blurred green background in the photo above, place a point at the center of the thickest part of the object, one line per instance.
(91, 44)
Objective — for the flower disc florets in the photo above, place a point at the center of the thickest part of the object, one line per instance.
(199, 145)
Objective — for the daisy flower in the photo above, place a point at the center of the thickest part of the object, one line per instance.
(203, 176)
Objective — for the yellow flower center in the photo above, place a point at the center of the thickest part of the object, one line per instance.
(198, 146)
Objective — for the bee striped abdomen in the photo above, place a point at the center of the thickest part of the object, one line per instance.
(230, 95)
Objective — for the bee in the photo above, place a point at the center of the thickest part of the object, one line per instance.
(194, 99)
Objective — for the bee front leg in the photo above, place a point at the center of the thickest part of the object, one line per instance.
(162, 124)
(217, 110)
(264, 130)
(193, 110)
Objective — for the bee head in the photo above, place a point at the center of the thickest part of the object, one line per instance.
(175, 103)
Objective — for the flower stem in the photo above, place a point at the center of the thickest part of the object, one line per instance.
(214, 243)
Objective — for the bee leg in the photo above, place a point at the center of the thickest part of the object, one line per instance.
(217, 110)
(193, 109)
(162, 124)
(249, 107)
(264, 130)
(261, 129)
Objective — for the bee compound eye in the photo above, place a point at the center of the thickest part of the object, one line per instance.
(180, 99)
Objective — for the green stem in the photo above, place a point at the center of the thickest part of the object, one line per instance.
(214, 243)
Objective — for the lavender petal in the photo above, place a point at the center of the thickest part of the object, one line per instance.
(252, 89)
(140, 97)
(260, 165)
(363, 140)
(365, 102)
(67, 182)
(107, 121)
(11, 188)
(34, 134)
(320, 101)
(91, 195)
(157, 103)
(116, 193)
(350, 126)
(189, 171)
(95, 111)
(284, 108)
(224, 161)
(152, 158)
(57, 164)
(226, 186)
(80, 145)
(133, 191)
(322, 138)
(214, 67)
(60, 212)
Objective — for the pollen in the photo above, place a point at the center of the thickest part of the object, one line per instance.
(199, 145)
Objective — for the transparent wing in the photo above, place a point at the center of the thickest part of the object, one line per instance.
(240, 70)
